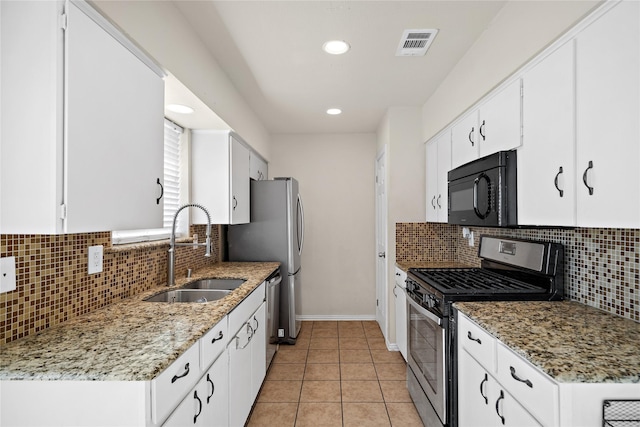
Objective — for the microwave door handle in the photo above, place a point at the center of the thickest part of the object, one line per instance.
(475, 196)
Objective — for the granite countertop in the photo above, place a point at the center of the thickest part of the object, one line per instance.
(569, 341)
(130, 340)
(406, 265)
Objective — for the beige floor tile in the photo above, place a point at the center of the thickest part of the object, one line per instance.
(280, 391)
(286, 371)
(290, 356)
(319, 415)
(361, 391)
(353, 343)
(323, 343)
(350, 324)
(358, 371)
(386, 356)
(391, 371)
(273, 414)
(395, 391)
(355, 356)
(323, 356)
(403, 415)
(320, 391)
(325, 324)
(324, 333)
(377, 343)
(322, 372)
(352, 333)
(365, 414)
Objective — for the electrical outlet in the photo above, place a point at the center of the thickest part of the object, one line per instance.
(94, 259)
(7, 274)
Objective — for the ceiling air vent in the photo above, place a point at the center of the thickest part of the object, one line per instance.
(415, 42)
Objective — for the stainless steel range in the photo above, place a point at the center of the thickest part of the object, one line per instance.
(511, 270)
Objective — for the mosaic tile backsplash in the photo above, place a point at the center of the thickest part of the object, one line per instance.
(53, 285)
(602, 265)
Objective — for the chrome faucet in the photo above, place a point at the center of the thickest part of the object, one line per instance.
(171, 278)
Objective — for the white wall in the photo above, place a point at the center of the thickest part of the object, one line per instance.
(161, 30)
(336, 176)
(400, 133)
(518, 33)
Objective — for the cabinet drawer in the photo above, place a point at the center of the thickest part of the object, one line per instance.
(170, 387)
(401, 277)
(246, 308)
(528, 385)
(477, 342)
(213, 343)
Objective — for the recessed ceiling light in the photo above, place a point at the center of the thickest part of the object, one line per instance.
(181, 109)
(336, 47)
(334, 111)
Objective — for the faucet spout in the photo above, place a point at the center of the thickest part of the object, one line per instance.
(171, 278)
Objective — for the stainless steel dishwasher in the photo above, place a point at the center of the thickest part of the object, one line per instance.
(273, 314)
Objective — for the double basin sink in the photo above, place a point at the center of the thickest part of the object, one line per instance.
(200, 291)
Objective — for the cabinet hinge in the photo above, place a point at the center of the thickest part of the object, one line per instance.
(63, 21)
(63, 211)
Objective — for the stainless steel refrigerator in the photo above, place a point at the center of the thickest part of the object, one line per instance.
(275, 233)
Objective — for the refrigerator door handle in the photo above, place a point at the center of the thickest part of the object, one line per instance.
(300, 225)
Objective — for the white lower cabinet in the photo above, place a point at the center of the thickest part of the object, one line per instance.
(401, 311)
(207, 403)
(497, 387)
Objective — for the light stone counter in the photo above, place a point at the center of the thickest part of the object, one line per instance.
(130, 340)
(571, 342)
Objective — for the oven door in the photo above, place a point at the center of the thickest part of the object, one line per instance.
(426, 355)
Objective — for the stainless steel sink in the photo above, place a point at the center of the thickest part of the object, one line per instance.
(189, 295)
(228, 284)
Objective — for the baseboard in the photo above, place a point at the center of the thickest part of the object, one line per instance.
(362, 317)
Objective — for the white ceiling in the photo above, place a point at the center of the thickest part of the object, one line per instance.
(271, 51)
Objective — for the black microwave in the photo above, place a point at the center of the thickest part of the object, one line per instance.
(484, 192)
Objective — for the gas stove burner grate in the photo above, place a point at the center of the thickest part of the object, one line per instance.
(474, 281)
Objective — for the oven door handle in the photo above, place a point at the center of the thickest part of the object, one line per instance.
(423, 311)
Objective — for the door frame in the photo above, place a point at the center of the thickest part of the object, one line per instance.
(381, 236)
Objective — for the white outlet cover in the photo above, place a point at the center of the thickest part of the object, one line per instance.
(7, 274)
(94, 259)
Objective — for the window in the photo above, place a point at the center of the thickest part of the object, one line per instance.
(173, 136)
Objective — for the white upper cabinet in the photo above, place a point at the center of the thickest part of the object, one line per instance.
(80, 153)
(608, 128)
(438, 163)
(492, 126)
(464, 140)
(258, 167)
(220, 177)
(546, 160)
(500, 120)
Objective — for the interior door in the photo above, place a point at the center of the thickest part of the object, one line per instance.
(381, 242)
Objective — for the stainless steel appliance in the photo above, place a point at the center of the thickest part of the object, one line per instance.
(511, 269)
(275, 233)
(483, 192)
(273, 314)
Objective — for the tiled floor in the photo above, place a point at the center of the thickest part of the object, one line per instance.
(337, 374)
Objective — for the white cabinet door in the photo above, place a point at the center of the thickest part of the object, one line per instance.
(258, 350)
(546, 160)
(608, 129)
(401, 319)
(465, 140)
(438, 165)
(80, 154)
(258, 167)
(240, 399)
(499, 122)
(220, 177)
(240, 183)
(476, 389)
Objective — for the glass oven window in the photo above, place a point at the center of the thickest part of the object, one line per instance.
(424, 336)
